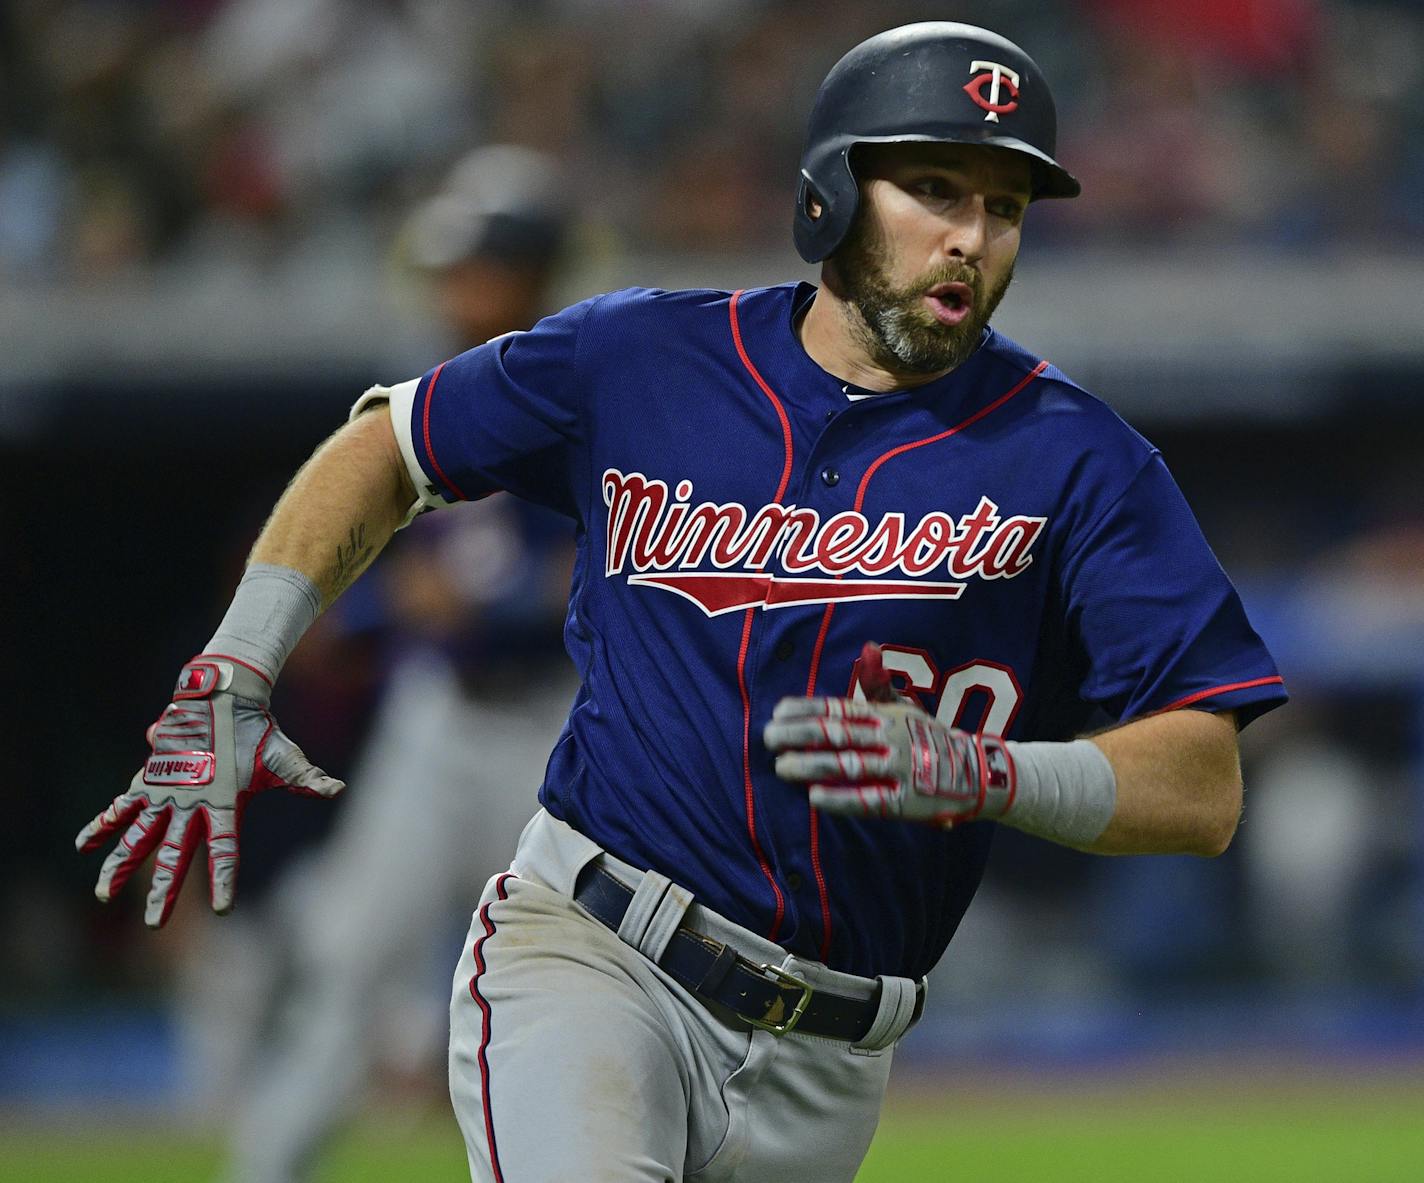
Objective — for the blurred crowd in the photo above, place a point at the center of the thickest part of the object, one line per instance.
(210, 133)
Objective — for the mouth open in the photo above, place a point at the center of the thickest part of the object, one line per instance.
(950, 303)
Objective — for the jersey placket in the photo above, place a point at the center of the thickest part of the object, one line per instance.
(784, 647)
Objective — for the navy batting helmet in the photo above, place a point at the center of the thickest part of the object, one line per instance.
(933, 82)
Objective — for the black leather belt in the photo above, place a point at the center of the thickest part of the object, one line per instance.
(766, 996)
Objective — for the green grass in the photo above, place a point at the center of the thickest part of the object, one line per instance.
(1339, 1140)
(1215, 1131)
(426, 1152)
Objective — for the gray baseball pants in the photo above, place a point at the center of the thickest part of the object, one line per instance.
(574, 1057)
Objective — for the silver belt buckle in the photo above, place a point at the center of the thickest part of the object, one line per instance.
(788, 979)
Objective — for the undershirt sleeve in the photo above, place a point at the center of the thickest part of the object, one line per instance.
(401, 398)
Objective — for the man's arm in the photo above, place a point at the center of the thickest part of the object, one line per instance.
(1178, 784)
(341, 508)
(216, 743)
(1165, 784)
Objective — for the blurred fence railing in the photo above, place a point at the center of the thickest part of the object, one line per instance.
(1182, 335)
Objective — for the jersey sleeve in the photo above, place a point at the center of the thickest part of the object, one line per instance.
(506, 415)
(1157, 622)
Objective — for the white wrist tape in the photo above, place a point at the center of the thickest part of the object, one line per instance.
(1065, 792)
(271, 609)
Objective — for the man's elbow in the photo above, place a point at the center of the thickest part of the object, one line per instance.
(1217, 822)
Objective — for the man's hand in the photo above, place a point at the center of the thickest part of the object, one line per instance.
(888, 759)
(213, 747)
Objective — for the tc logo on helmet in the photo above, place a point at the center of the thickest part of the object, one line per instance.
(996, 76)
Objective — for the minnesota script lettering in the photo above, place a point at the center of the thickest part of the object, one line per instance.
(662, 538)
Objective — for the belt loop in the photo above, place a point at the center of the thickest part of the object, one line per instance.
(654, 914)
(553, 853)
(894, 1015)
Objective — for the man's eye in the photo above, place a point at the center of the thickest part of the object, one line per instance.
(932, 187)
(1010, 210)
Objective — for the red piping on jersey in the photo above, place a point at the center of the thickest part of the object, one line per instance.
(1227, 689)
(766, 390)
(748, 794)
(747, 790)
(483, 1057)
(425, 428)
(881, 459)
(821, 892)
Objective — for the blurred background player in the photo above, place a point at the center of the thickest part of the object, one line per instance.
(472, 605)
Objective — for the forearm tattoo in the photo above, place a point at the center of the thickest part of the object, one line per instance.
(352, 557)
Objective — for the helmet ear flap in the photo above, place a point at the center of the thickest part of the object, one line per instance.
(813, 205)
(816, 216)
(825, 208)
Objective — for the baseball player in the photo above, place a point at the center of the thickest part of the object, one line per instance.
(855, 575)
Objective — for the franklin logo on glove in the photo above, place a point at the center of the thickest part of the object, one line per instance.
(214, 746)
(189, 768)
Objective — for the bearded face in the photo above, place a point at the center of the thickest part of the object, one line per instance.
(896, 322)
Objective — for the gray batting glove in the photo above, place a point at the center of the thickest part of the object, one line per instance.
(213, 747)
(889, 759)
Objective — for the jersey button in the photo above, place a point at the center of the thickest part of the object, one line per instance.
(794, 881)
(831, 476)
(784, 649)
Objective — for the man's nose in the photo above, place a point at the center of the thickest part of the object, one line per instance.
(967, 230)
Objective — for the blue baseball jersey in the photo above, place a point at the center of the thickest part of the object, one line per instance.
(744, 527)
